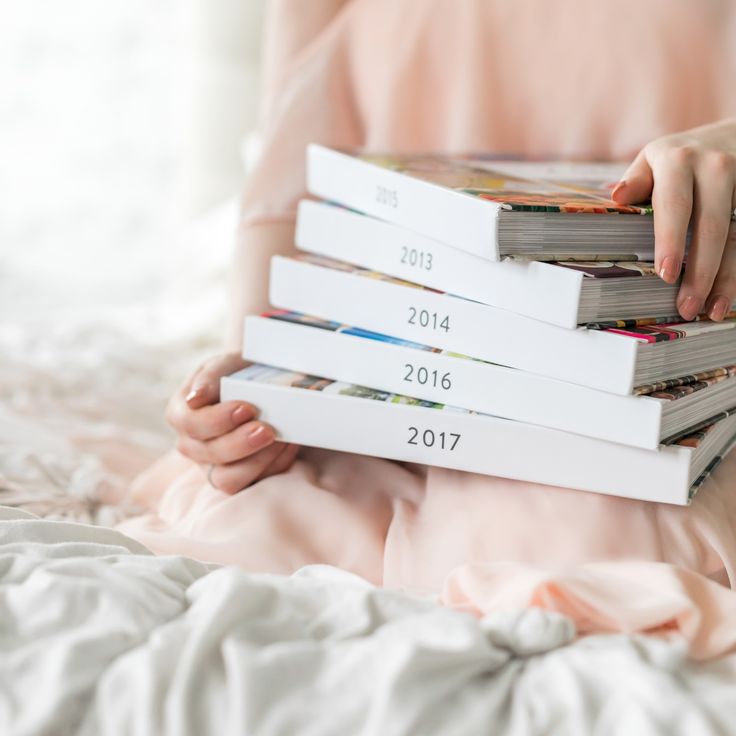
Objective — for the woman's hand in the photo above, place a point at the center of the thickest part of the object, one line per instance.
(233, 447)
(691, 179)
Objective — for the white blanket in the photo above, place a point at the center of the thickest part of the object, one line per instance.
(99, 637)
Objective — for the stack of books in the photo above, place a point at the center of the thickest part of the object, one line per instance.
(490, 316)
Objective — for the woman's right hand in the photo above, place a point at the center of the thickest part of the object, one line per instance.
(233, 447)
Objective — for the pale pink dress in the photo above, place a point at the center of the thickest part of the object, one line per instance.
(568, 78)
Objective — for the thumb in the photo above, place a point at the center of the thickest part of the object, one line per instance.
(204, 387)
(636, 184)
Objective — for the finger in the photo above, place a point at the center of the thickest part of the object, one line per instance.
(204, 388)
(239, 444)
(672, 200)
(636, 183)
(211, 421)
(711, 218)
(723, 293)
(234, 477)
(282, 463)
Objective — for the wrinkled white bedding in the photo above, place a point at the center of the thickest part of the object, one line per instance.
(99, 637)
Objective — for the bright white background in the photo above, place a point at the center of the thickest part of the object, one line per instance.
(120, 122)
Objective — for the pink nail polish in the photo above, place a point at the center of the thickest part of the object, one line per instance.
(719, 308)
(670, 269)
(241, 414)
(619, 188)
(196, 392)
(260, 436)
(690, 307)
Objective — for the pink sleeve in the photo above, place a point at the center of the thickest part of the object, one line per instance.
(306, 98)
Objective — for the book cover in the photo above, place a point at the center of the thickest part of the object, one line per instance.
(524, 186)
(378, 423)
(487, 208)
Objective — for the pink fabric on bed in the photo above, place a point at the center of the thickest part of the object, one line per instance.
(569, 78)
(632, 597)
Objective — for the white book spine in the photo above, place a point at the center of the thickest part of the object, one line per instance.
(445, 379)
(533, 288)
(467, 442)
(451, 217)
(586, 357)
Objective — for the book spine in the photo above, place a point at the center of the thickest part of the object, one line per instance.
(445, 379)
(452, 217)
(586, 357)
(538, 290)
(466, 442)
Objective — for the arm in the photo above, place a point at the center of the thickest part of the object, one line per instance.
(248, 287)
(306, 98)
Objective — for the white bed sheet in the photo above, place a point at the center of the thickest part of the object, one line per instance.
(99, 637)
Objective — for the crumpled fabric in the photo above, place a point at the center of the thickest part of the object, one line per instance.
(627, 596)
(98, 636)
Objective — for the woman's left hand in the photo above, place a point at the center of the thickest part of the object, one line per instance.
(691, 180)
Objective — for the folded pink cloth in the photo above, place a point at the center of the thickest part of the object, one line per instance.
(642, 597)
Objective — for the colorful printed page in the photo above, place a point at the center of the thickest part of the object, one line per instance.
(623, 268)
(302, 319)
(519, 185)
(651, 330)
(276, 376)
(694, 441)
(676, 388)
(694, 436)
(611, 269)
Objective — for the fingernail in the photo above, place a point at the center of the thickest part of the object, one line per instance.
(619, 188)
(196, 392)
(260, 436)
(242, 413)
(690, 307)
(670, 269)
(719, 308)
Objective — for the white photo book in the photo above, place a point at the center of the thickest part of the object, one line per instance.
(317, 412)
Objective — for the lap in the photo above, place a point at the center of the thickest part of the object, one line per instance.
(409, 527)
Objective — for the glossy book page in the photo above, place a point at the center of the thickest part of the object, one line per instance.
(518, 185)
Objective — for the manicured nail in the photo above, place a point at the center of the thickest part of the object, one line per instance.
(260, 436)
(242, 413)
(690, 307)
(718, 308)
(619, 188)
(197, 392)
(670, 269)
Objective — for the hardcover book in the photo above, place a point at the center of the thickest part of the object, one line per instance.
(613, 356)
(652, 415)
(382, 424)
(491, 208)
(562, 293)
